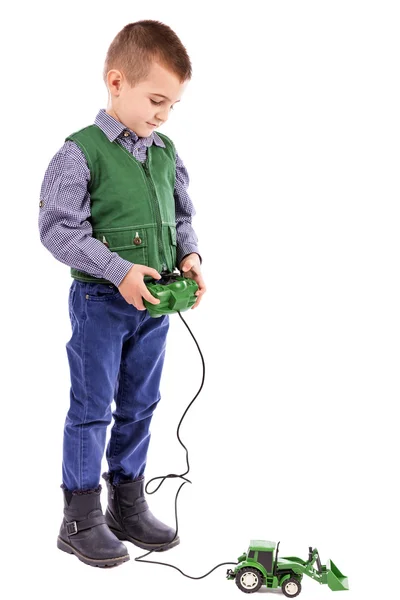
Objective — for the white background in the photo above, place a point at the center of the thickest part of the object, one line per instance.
(290, 132)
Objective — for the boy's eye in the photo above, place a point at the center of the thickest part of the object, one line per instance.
(158, 103)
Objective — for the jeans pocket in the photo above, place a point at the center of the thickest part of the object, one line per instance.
(71, 297)
(101, 292)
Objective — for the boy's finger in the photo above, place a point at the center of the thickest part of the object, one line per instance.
(137, 301)
(147, 295)
(197, 302)
(200, 282)
(152, 272)
(191, 266)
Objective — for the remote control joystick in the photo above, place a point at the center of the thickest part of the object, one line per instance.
(175, 292)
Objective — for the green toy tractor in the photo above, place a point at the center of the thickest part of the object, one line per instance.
(260, 566)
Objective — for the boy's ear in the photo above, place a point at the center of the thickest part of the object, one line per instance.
(114, 81)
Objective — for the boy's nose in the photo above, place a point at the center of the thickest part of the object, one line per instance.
(162, 115)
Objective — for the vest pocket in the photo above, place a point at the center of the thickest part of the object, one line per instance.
(129, 243)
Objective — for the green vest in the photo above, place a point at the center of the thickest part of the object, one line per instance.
(132, 203)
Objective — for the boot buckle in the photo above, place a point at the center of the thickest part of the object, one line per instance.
(72, 528)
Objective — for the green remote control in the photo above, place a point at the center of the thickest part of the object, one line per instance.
(175, 292)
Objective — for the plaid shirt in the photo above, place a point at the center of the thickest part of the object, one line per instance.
(65, 206)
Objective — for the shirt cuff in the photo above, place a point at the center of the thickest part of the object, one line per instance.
(117, 269)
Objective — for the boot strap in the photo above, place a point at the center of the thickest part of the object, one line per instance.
(74, 526)
(139, 507)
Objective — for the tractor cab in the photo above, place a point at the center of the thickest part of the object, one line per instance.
(262, 552)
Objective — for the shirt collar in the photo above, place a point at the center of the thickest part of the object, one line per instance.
(113, 129)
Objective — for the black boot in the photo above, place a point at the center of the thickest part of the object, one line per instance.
(129, 517)
(84, 532)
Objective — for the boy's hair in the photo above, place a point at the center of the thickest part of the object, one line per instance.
(138, 44)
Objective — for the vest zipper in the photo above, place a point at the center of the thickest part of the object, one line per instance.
(158, 215)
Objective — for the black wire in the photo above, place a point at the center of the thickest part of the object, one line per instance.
(172, 475)
(182, 476)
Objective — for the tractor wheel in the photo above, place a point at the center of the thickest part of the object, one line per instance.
(291, 587)
(249, 580)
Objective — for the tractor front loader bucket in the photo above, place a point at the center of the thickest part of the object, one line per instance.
(335, 579)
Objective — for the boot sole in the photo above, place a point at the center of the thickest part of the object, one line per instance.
(106, 562)
(127, 538)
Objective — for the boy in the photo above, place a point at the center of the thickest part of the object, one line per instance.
(114, 207)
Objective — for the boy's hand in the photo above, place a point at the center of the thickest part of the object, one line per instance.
(133, 288)
(190, 265)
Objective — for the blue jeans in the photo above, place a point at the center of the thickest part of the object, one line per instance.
(116, 352)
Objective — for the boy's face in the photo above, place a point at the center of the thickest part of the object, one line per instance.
(142, 108)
